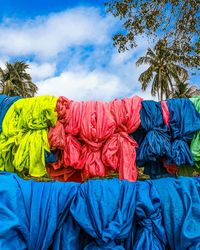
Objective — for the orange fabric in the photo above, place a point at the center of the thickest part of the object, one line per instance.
(94, 138)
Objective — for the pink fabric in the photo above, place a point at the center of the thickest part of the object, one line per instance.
(119, 152)
(165, 113)
(95, 136)
(171, 168)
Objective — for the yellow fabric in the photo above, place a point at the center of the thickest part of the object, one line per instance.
(24, 137)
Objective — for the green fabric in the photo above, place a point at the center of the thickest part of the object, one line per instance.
(195, 144)
(24, 137)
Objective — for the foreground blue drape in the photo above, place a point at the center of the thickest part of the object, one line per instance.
(103, 214)
(180, 204)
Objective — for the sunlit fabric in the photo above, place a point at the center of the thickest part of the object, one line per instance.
(24, 140)
(104, 214)
(195, 144)
(5, 103)
(184, 123)
(33, 214)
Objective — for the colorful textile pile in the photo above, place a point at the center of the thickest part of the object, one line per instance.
(167, 129)
(96, 139)
(100, 214)
(24, 137)
(91, 139)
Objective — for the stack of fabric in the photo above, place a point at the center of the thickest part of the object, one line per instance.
(96, 139)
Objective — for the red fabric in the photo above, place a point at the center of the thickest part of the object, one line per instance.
(92, 137)
(171, 168)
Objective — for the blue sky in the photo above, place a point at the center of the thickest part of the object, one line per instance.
(68, 45)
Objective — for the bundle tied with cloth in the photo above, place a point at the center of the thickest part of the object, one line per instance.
(91, 139)
(24, 136)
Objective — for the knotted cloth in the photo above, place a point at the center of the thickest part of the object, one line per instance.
(91, 139)
(156, 143)
(184, 123)
(24, 141)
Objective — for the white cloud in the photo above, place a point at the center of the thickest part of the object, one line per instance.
(82, 85)
(3, 61)
(71, 53)
(41, 71)
(48, 36)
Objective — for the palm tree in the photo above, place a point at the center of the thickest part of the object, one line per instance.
(163, 71)
(184, 90)
(14, 80)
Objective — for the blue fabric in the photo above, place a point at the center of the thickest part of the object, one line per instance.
(103, 214)
(32, 214)
(105, 211)
(156, 170)
(156, 143)
(50, 157)
(180, 204)
(184, 123)
(5, 103)
(150, 233)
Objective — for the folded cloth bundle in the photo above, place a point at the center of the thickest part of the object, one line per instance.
(155, 144)
(91, 139)
(184, 123)
(101, 214)
(24, 140)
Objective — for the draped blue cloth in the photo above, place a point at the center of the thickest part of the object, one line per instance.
(150, 233)
(5, 103)
(180, 204)
(184, 123)
(105, 211)
(32, 213)
(156, 142)
(103, 214)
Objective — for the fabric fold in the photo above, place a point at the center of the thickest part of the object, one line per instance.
(24, 140)
(89, 134)
(150, 233)
(184, 123)
(155, 144)
(108, 225)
